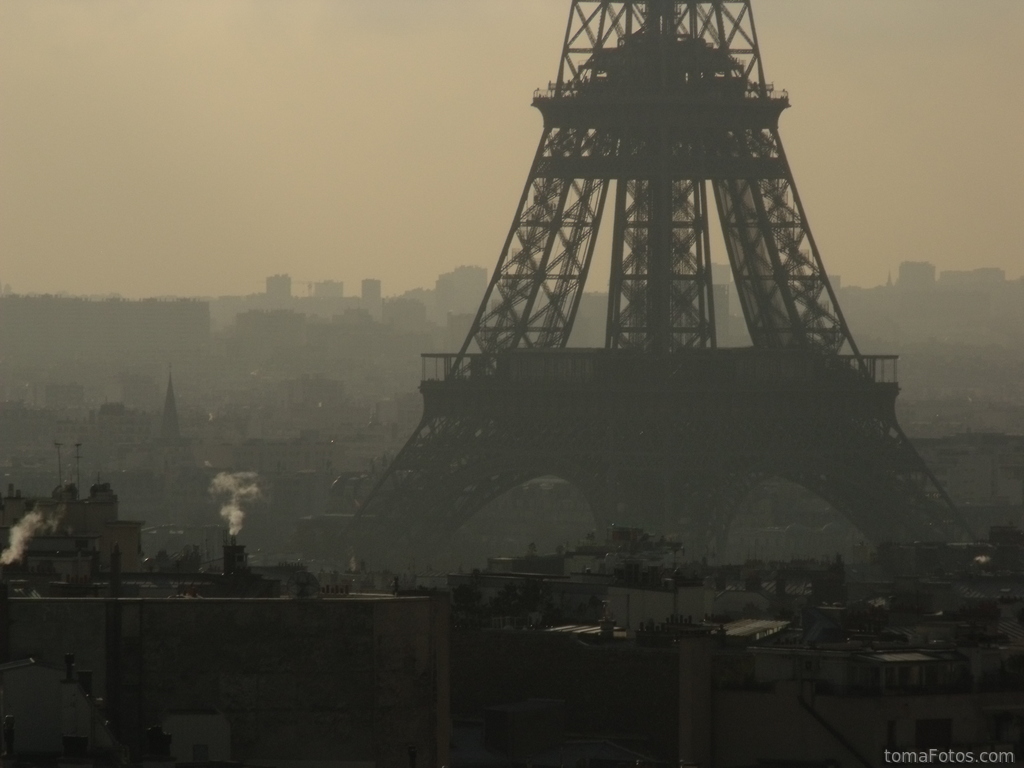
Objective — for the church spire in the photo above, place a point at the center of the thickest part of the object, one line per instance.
(169, 424)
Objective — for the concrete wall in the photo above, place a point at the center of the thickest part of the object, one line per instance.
(319, 680)
(695, 699)
(615, 689)
(32, 695)
(752, 726)
(632, 606)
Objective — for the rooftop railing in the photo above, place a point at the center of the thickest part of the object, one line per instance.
(756, 367)
(590, 87)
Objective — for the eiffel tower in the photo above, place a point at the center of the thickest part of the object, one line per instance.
(661, 427)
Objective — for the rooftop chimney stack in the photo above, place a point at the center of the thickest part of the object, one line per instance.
(235, 561)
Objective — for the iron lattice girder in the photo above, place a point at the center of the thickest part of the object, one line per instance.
(533, 298)
(785, 296)
(596, 25)
(693, 422)
(642, 291)
(667, 95)
(663, 98)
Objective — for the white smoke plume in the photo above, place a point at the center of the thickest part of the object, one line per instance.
(235, 488)
(22, 532)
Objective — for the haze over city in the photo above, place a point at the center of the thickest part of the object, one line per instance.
(291, 474)
(192, 148)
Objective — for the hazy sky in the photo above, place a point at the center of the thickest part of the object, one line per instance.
(155, 147)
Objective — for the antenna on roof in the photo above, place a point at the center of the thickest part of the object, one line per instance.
(60, 470)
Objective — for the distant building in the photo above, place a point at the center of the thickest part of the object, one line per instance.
(591, 318)
(296, 682)
(635, 605)
(916, 276)
(723, 318)
(259, 331)
(849, 705)
(404, 315)
(74, 530)
(371, 298)
(169, 429)
(279, 287)
(985, 278)
(139, 391)
(979, 468)
(44, 329)
(329, 289)
(64, 395)
(53, 712)
(459, 291)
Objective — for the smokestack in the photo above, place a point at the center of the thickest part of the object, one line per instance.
(234, 558)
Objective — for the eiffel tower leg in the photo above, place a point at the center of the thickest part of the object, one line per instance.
(469, 449)
(883, 486)
(784, 292)
(433, 485)
(537, 286)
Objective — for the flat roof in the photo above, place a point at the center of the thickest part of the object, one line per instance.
(748, 627)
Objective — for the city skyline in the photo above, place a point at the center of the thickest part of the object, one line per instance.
(338, 141)
(280, 489)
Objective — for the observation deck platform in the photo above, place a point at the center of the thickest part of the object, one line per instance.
(735, 369)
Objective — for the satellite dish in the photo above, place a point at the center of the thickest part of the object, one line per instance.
(302, 585)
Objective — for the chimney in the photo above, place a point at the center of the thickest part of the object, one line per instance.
(234, 558)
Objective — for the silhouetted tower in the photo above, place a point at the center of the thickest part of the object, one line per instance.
(662, 106)
(169, 429)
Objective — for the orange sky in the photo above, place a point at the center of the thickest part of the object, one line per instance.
(196, 146)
